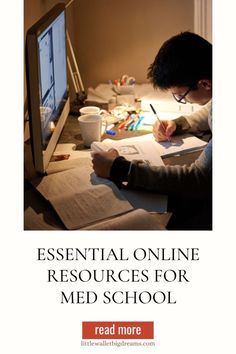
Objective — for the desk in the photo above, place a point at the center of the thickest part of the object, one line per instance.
(39, 214)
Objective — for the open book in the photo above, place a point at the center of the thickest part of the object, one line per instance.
(147, 148)
(83, 200)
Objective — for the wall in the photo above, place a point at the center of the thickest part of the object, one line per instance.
(203, 18)
(35, 9)
(119, 36)
(114, 37)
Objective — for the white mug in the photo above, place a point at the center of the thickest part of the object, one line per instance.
(92, 126)
(91, 110)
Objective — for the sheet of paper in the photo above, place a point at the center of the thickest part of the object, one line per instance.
(81, 198)
(178, 144)
(145, 150)
(135, 220)
(150, 118)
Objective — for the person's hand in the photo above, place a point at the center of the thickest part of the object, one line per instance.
(102, 162)
(161, 134)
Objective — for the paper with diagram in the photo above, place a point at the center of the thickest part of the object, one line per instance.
(147, 148)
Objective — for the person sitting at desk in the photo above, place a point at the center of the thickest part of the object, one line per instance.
(183, 65)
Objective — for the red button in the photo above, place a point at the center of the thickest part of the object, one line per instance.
(117, 330)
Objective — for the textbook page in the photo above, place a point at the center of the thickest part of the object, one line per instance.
(80, 197)
(138, 219)
(138, 199)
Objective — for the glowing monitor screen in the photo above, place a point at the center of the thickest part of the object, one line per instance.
(53, 76)
(47, 88)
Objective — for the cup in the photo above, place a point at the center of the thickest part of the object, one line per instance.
(92, 126)
(90, 110)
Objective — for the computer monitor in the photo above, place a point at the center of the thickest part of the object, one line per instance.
(47, 87)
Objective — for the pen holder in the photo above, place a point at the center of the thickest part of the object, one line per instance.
(124, 89)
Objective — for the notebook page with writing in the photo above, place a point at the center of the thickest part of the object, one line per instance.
(81, 198)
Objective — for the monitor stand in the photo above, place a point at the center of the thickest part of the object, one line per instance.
(54, 138)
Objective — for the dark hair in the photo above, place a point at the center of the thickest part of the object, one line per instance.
(182, 60)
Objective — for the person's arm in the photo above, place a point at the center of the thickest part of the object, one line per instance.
(197, 123)
(194, 123)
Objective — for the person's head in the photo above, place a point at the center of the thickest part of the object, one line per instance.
(183, 65)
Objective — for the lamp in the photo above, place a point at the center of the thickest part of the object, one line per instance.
(75, 74)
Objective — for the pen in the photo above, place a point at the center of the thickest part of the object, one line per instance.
(110, 132)
(128, 124)
(161, 123)
(132, 126)
(124, 124)
(138, 123)
(121, 125)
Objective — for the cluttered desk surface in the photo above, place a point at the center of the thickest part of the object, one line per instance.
(39, 214)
